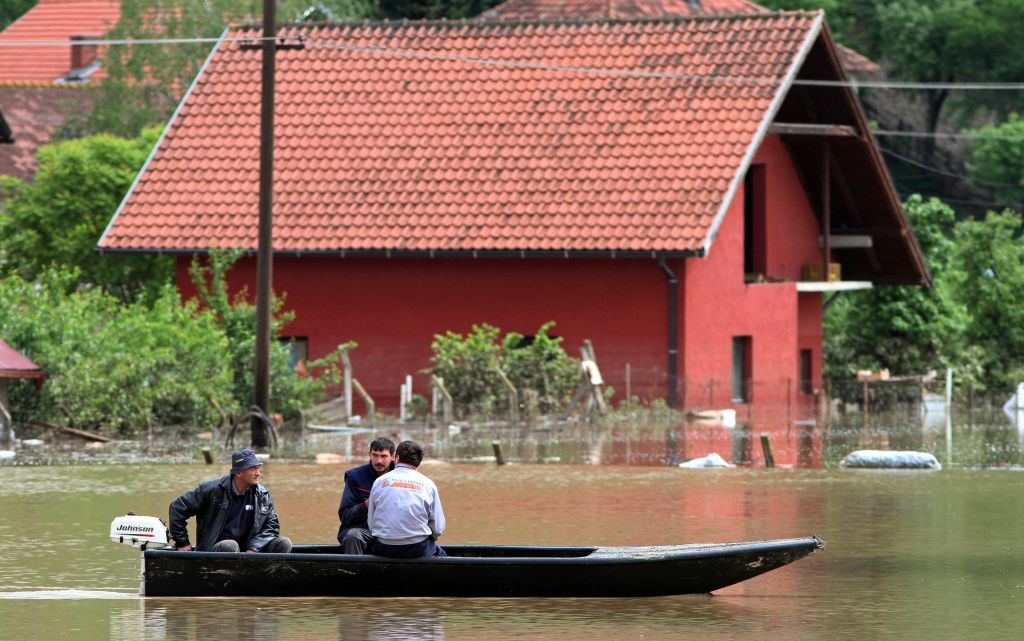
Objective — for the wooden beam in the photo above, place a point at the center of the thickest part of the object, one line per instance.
(811, 129)
(876, 232)
(848, 241)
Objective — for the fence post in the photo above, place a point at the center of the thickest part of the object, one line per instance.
(513, 396)
(446, 399)
(346, 386)
(371, 407)
(766, 447)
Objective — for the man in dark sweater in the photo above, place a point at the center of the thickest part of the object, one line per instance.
(354, 533)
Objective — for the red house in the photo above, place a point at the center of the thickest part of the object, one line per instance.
(656, 186)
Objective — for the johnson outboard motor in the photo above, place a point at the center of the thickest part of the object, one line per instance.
(142, 532)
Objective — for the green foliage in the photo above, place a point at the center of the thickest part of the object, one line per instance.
(469, 367)
(145, 83)
(990, 254)
(59, 217)
(970, 319)
(998, 160)
(113, 367)
(236, 316)
(11, 10)
(906, 329)
(934, 41)
(540, 364)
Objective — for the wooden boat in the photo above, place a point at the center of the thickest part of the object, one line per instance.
(471, 571)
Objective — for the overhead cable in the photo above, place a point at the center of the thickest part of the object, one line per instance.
(941, 172)
(429, 55)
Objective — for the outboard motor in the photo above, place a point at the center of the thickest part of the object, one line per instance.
(142, 532)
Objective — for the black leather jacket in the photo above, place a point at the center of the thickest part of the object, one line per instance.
(209, 504)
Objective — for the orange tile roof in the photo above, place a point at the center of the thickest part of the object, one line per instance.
(52, 20)
(379, 148)
(33, 112)
(594, 9)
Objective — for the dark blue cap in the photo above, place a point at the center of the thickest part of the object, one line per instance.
(243, 460)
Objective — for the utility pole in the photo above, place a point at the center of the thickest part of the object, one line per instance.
(264, 256)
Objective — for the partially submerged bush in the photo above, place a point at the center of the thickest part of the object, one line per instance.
(470, 368)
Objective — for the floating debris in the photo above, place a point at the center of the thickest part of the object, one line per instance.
(711, 460)
(879, 459)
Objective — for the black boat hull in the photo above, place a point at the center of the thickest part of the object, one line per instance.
(471, 571)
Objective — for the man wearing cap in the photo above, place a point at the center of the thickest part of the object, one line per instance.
(354, 533)
(233, 513)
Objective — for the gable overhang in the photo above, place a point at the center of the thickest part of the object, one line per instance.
(762, 129)
(819, 119)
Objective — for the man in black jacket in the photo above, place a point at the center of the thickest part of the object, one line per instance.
(233, 513)
(354, 533)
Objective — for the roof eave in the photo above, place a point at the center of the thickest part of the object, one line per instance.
(431, 253)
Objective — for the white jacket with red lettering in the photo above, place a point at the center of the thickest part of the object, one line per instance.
(404, 507)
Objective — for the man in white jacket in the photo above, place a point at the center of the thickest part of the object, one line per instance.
(404, 512)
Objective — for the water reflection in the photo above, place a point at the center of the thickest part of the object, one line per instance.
(442, 619)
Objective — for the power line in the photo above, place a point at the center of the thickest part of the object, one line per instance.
(941, 172)
(955, 136)
(129, 41)
(966, 201)
(409, 53)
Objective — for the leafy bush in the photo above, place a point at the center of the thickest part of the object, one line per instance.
(470, 364)
(290, 392)
(113, 367)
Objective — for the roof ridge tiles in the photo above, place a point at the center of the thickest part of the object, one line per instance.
(509, 25)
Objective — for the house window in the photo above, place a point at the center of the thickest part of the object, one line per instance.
(807, 371)
(755, 231)
(741, 374)
(299, 346)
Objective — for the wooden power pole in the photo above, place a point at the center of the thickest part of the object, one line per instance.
(264, 257)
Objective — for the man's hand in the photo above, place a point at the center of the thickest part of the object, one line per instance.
(250, 551)
(185, 548)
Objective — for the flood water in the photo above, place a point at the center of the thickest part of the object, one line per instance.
(910, 555)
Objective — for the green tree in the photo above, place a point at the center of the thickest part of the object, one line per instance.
(990, 279)
(907, 329)
(940, 41)
(11, 10)
(113, 367)
(997, 161)
(59, 217)
(144, 83)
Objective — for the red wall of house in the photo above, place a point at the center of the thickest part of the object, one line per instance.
(393, 308)
(720, 305)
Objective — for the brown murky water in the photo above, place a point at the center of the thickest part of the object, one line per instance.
(935, 555)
